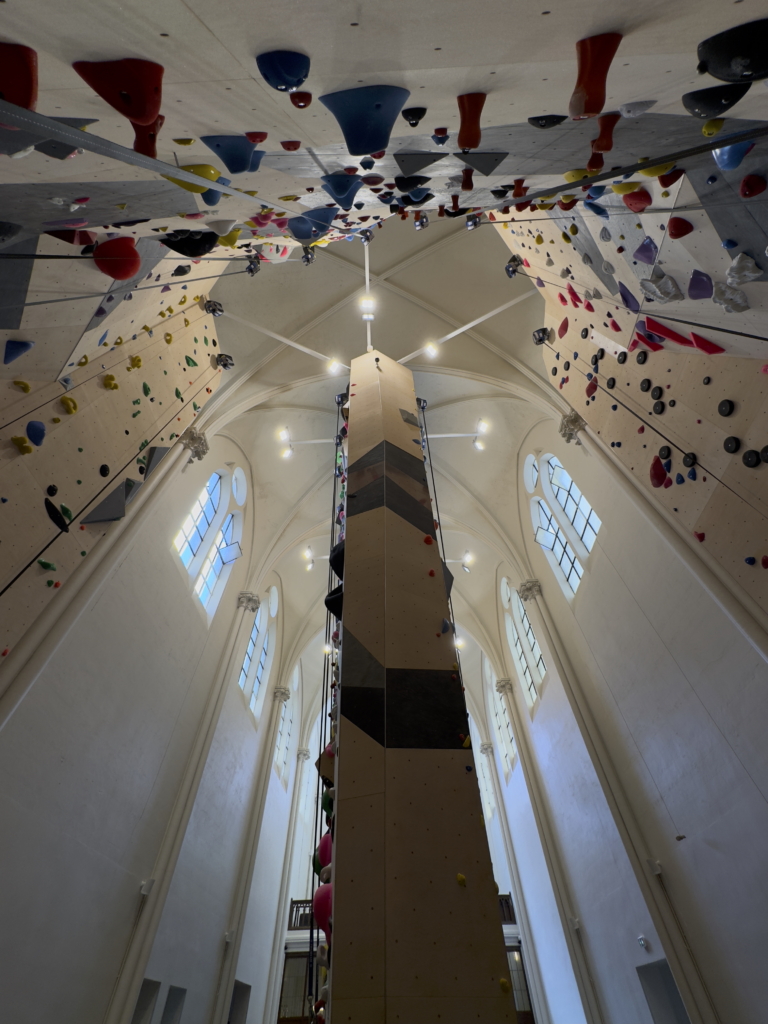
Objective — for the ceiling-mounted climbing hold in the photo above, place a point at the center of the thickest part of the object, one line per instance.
(638, 200)
(413, 115)
(485, 163)
(547, 120)
(284, 70)
(18, 75)
(594, 56)
(291, 145)
(667, 180)
(728, 158)
(679, 227)
(623, 188)
(366, 116)
(133, 87)
(709, 103)
(113, 507)
(738, 54)
(647, 251)
(211, 196)
(74, 237)
(604, 142)
(342, 188)
(700, 285)
(636, 108)
(752, 185)
(201, 170)
(234, 151)
(467, 184)
(193, 246)
(301, 100)
(145, 137)
(117, 258)
(596, 208)
(14, 349)
(407, 183)
(711, 128)
(470, 108)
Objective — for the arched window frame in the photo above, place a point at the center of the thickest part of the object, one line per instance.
(198, 529)
(570, 507)
(216, 567)
(502, 724)
(558, 550)
(248, 669)
(261, 666)
(260, 672)
(283, 741)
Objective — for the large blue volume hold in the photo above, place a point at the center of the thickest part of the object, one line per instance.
(234, 151)
(366, 116)
(313, 224)
(284, 70)
(342, 188)
(14, 349)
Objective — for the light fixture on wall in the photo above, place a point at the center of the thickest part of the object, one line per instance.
(430, 350)
(367, 305)
(478, 445)
(285, 435)
(366, 236)
(334, 366)
(287, 453)
(467, 559)
(459, 642)
(327, 649)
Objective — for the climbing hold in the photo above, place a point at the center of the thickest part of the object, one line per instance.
(547, 120)
(191, 246)
(629, 300)
(637, 201)
(752, 185)
(69, 404)
(738, 54)
(23, 445)
(283, 70)
(14, 349)
(301, 100)
(55, 516)
(726, 407)
(700, 285)
(636, 108)
(699, 537)
(504, 985)
(728, 158)
(135, 362)
(117, 258)
(132, 86)
(235, 151)
(18, 75)
(647, 251)
(622, 188)
(733, 300)
(658, 473)
(679, 478)
(562, 330)
(109, 382)
(594, 56)
(413, 115)
(48, 566)
(742, 270)
(712, 127)
(751, 458)
(189, 361)
(36, 432)
(666, 180)
(461, 879)
(604, 142)
(145, 137)
(679, 227)
(731, 445)
(201, 170)
(710, 103)
(597, 209)
(366, 116)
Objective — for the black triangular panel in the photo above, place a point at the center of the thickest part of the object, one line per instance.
(485, 163)
(412, 163)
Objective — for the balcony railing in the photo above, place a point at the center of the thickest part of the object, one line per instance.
(300, 914)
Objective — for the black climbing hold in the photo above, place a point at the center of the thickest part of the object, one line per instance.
(334, 601)
(567, 365)
(142, 470)
(611, 383)
(181, 271)
(499, 193)
(707, 103)
(707, 380)
(726, 407)
(601, 353)
(52, 490)
(594, 360)
(547, 120)
(658, 408)
(689, 459)
(409, 183)
(56, 517)
(645, 384)
(665, 452)
(585, 332)
(621, 357)
(657, 393)
(641, 357)
(104, 469)
(336, 559)
(554, 371)
(764, 453)
(731, 444)
(672, 403)
(738, 54)
(192, 245)
(751, 458)
(413, 115)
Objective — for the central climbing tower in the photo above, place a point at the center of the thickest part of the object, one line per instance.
(417, 936)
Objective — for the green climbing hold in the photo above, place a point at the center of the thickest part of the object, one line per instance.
(205, 340)
(145, 388)
(135, 414)
(49, 583)
(46, 565)
(170, 438)
(79, 449)
(136, 401)
(83, 553)
(178, 394)
(195, 406)
(144, 444)
(67, 511)
(190, 361)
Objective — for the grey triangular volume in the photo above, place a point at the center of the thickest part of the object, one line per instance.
(485, 163)
(448, 578)
(412, 163)
(154, 458)
(113, 506)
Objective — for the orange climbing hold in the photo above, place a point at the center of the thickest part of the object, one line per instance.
(470, 108)
(604, 142)
(18, 75)
(594, 56)
(133, 87)
(145, 141)
(637, 201)
(467, 183)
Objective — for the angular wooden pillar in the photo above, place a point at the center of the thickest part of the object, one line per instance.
(411, 943)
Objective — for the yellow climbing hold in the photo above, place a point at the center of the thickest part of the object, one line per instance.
(183, 142)
(201, 170)
(539, 239)
(168, 337)
(109, 382)
(186, 322)
(56, 419)
(23, 445)
(146, 328)
(182, 300)
(467, 743)
(170, 310)
(195, 298)
(250, 193)
(119, 340)
(665, 194)
(230, 239)
(623, 188)
(135, 362)
(566, 237)
(576, 175)
(23, 385)
(121, 206)
(461, 879)
(712, 127)
(573, 229)
(288, 199)
(504, 985)
(654, 172)
(82, 361)
(545, 206)
(567, 199)
(70, 405)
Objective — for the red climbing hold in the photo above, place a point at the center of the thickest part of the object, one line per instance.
(591, 388)
(291, 146)
(573, 294)
(133, 87)
(589, 307)
(470, 108)
(668, 482)
(595, 163)
(75, 237)
(526, 264)
(700, 537)
(752, 185)
(594, 56)
(466, 180)
(562, 330)
(455, 203)
(764, 561)
(256, 137)
(519, 188)
(427, 540)
(641, 430)
(637, 201)
(679, 227)
(145, 141)
(563, 300)
(117, 258)
(441, 211)
(567, 206)
(654, 346)
(521, 207)
(301, 99)
(705, 345)
(604, 142)
(18, 75)
(663, 331)
(615, 326)
(658, 473)
(665, 180)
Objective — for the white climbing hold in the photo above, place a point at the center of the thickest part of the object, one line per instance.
(221, 227)
(733, 300)
(608, 268)
(636, 108)
(661, 287)
(742, 270)
(605, 235)
(596, 294)
(586, 259)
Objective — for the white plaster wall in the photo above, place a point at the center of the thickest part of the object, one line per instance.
(90, 765)
(680, 699)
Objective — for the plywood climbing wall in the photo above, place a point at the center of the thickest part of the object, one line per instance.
(416, 930)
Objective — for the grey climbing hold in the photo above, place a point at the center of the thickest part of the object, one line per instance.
(636, 108)
(411, 163)
(608, 268)
(114, 505)
(596, 294)
(154, 458)
(742, 270)
(661, 287)
(733, 300)
(605, 235)
(586, 259)
(484, 163)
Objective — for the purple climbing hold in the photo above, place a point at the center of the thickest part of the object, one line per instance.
(165, 288)
(100, 311)
(700, 286)
(647, 251)
(539, 283)
(14, 349)
(628, 298)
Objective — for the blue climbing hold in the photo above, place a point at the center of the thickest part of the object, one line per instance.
(234, 151)
(256, 157)
(589, 376)
(729, 243)
(614, 408)
(103, 338)
(367, 163)
(700, 286)
(36, 432)
(679, 479)
(323, 216)
(575, 355)
(728, 158)
(284, 70)
(14, 349)
(303, 230)
(440, 140)
(667, 465)
(596, 208)
(596, 191)
(366, 116)
(417, 194)
(692, 473)
(712, 179)
(750, 560)
(647, 251)
(211, 197)
(342, 188)
(618, 444)
(628, 298)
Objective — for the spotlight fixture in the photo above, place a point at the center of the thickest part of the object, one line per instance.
(512, 265)
(309, 256)
(308, 553)
(482, 427)
(310, 566)
(422, 222)
(367, 305)
(254, 266)
(459, 642)
(334, 366)
(327, 649)
(366, 236)
(473, 221)
(431, 350)
(478, 444)
(541, 336)
(465, 567)
(284, 435)
(286, 453)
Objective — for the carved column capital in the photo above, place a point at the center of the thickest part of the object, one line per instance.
(249, 601)
(195, 442)
(303, 754)
(281, 693)
(529, 589)
(570, 425)
(486, 748)
(504, 686)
